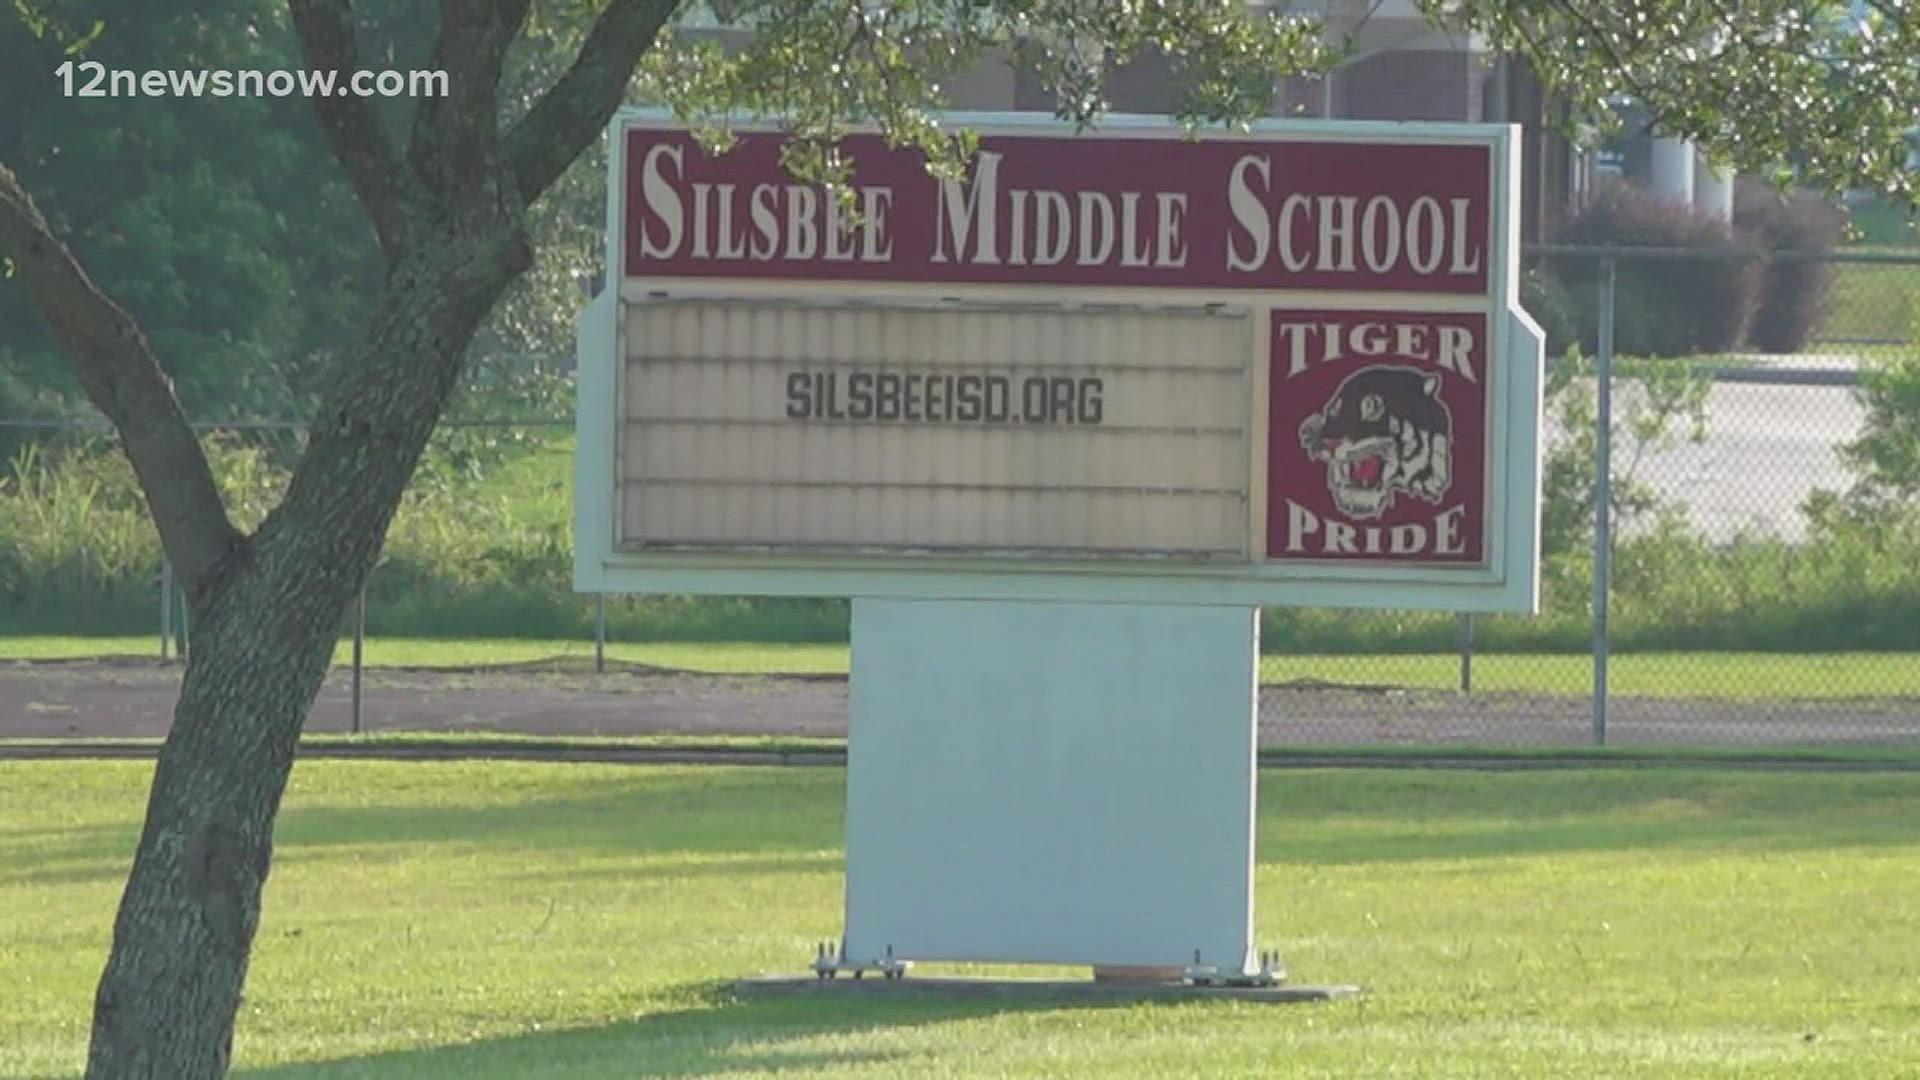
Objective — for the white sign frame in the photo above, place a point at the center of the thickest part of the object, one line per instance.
(1507, 581)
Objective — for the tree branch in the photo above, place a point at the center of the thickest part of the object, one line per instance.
(452, 148)
(575, 109)
(351, 125)
(111, 358)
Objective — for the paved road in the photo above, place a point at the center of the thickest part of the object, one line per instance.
(1767, 448)
(136, 699)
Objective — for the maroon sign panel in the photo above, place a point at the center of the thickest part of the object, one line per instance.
(1376, 448)
(1073, 210)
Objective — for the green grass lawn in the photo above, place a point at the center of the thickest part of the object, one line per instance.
(1882, 222)
(1717, 675)
(1872, 300)
(748, 658)
(1706, 674)
(503, 920)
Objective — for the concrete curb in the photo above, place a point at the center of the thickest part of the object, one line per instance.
(1061, 990)
(111, 750)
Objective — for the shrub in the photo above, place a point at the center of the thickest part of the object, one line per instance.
(76, 548)
(1656, 405)
(1886, 457)
(1662, 306)
(25, 396)
(1792, 297)
(77, 555)
(1546, 298)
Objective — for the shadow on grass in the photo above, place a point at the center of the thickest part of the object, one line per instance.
(1324, 818)
(680, 869)
(74, 855)
(1338, 816)
(785, 816)
(615, 811)
(729, 1036)
(783, 820)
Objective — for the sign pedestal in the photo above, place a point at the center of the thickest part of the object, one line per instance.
(1052, 783)
(1049, 991)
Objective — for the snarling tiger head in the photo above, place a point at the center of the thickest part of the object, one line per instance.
(1384, 432)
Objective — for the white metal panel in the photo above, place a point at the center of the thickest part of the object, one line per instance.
(1051, 783)
(1090, 431)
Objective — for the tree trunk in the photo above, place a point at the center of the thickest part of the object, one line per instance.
(264, 627)
(167, 1000)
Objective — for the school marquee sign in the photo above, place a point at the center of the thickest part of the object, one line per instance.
(1277, 367)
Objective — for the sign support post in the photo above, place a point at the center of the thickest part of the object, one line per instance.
(1052, 783)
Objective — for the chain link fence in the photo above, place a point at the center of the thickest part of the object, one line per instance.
(1753, 580)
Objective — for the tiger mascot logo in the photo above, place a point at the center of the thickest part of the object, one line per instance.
(1384, 432)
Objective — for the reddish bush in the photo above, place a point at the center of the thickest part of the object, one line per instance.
(1664, 306)
(1795, 295)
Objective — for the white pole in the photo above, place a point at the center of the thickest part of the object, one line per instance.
(1670, 175)
(1712, 189)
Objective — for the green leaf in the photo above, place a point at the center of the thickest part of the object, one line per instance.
(82, 43)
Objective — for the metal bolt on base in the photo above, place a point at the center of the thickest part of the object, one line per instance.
(1272, 972)
(830, 961)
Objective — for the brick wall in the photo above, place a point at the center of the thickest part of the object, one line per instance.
(1410, 84)
(1405, 84)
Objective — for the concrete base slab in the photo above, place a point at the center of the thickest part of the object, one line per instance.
(1032, 989)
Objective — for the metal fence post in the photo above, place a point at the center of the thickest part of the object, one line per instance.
(359, 652)
(600, 632)
(1602, 499)
(1466, 652)
(166, 608)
